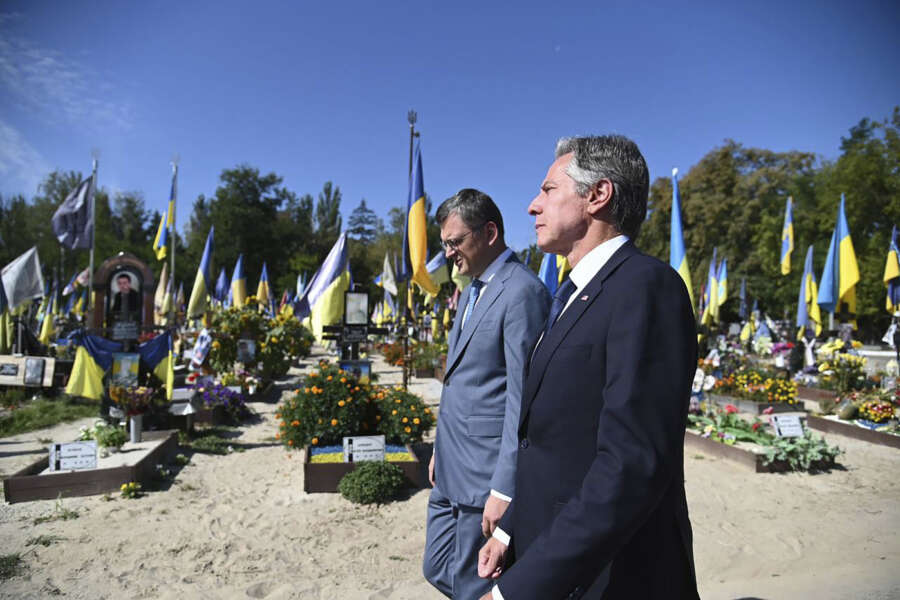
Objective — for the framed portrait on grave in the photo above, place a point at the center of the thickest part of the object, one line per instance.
(34, 371)
(124, 308)
(356, 308)
(361, 369)
(246, 351)
(125, 369)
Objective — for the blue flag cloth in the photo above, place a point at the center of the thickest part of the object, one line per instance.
(100, 349)
(222, 286)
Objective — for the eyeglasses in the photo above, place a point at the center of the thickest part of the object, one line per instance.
(453, 243)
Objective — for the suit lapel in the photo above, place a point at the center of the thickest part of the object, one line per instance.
(462, 335)
(547, 346)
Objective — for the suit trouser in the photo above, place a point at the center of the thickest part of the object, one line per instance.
(452, 540)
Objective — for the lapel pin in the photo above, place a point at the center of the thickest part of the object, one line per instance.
(584, 298)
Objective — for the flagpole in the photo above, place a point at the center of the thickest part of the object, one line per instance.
(93, 207)
(407, 285)
(171, 318)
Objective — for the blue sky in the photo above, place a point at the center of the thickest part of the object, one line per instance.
(317, 93)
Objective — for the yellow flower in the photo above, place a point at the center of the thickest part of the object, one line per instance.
(416, 421)
(404, 420)
(216, 344)
(328, 378)
(274, 340)
(393, 412)
(315, 441)
(407, 429)
(334, 422)
(341, 403)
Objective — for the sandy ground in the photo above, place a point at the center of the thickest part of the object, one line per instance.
(240, 526)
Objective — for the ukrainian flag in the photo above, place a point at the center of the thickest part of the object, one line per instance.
(549, 272)
(415, 242)
(170, 214)
(323, 301)
(723, 282)
(239, 283)
(161, 241)
(203, 283)
(711, 296)
(892, 275)
(263, 294)
(837, 292)
(787, 238)
(158, 356)
(438, 269)
(808, 313)
(93, 358)
(677, 253)
(82, 303)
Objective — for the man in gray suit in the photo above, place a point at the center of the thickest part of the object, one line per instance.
(501, 314)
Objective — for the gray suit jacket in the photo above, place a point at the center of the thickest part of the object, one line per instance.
(476, 441)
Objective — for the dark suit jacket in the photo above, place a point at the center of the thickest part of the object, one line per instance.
(132, 304)
(600, 509)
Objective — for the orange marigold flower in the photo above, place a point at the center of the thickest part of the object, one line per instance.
(416, 421)
(278, 436)
(407, 429)
(341, 403)
(343, 380)
(412, 407)
(334, 422)
(314, 441)
(295, 423)
(277, 415)
(404, 420)
(329, 378)
(290, 442)
(393, 412)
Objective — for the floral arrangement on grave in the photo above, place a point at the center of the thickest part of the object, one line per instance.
(841, 371)
(762, 345)
(333, 404)
(393, 353)
(277, 339)
(427, 355)
(216, 394)
(876, 411)
(247, 381)
(132, 400)
(107, 436)
(757, 386)
(726, 427)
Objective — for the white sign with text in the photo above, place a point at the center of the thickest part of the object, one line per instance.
(74, 456)
(787, 425)
(361, 448)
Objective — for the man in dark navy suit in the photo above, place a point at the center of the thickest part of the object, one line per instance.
(600, 508)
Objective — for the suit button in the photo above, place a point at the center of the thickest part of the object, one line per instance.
(523, 444)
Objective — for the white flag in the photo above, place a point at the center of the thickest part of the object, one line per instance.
(22, 279)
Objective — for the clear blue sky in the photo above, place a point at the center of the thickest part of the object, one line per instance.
(317, 93)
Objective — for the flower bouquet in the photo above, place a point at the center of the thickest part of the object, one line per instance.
(132, 400)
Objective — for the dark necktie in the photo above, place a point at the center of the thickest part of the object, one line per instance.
(474, 290)
(560, 298)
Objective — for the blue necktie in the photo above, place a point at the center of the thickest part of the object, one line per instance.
(560, 298)
(474, 290)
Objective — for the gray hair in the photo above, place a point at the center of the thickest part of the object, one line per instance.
(474, 207)
(618, 159)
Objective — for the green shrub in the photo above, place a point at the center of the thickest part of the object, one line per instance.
(372, 482)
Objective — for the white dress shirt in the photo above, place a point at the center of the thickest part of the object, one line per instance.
(581, 275)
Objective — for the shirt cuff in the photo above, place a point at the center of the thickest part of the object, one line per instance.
(495, 593)
(501, 536)
(503, 497)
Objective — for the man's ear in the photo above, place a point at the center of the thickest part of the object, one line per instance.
(492, 231)
(600, 197)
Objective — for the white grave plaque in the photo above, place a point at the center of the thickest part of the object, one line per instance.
(787, 425)
(74, 456)
(364, 447)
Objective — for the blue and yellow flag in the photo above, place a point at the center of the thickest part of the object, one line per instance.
(549, 272)
(808, 313)
(722, 276)
(81, 305)
(222, 287)
(415, 241)
(170, 214)
(787, 237)
(239, 283)
(892, 275)
(677, 254)
(711, 295)
(93, 358)
(263, 293)
(161, 241)
(203, 282)
(837, 291)
(157, 355)
(323, 300)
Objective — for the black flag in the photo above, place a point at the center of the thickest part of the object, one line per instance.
(72, 222)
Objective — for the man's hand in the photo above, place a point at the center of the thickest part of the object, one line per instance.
(431, 470)
(490, 559)
(493, 510)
